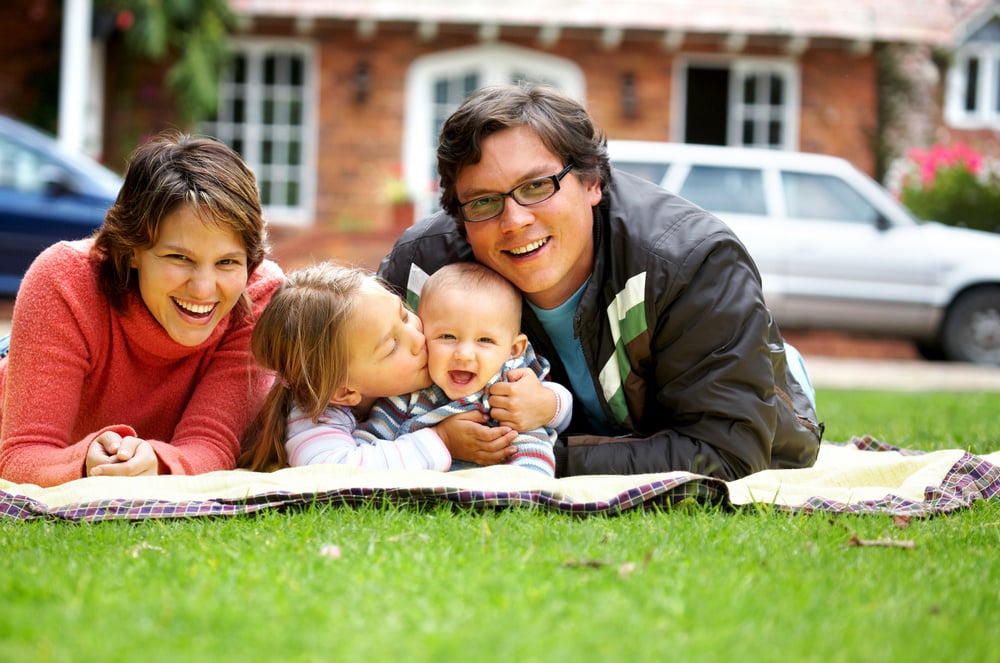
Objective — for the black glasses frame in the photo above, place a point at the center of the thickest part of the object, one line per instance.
(513, 194)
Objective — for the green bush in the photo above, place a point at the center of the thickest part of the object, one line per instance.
(953, 185)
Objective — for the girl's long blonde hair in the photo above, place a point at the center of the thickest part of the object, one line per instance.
(300, 336)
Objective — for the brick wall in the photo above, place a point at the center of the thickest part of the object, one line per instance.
(360, 144)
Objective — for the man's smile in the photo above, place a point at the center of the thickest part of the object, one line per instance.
(528, 248)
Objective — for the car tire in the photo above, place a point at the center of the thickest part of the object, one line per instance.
(971, 329)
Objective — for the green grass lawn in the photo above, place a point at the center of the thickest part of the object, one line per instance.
(388, 583)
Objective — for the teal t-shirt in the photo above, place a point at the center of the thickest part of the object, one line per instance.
(558, 324)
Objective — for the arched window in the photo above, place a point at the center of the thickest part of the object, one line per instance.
(437, 84)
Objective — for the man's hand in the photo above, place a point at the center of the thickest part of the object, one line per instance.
(521, 402)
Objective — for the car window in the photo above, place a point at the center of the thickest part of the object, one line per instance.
(725, 189)
(20, 169)
(653, 172)
(813, 196)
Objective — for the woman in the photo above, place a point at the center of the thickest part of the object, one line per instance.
(130, 350)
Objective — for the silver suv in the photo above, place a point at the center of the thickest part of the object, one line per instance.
(835, 249)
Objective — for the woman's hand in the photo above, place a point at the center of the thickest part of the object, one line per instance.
(522, 402)
(110, 454)
(468, 439)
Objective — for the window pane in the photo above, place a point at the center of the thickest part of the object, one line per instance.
(720, 189)
(292, 194)
(440, 91)
(774, 133)
(470, 84)
(269, 70)
(239, 71)
(238, 111)
(747, 137)
(971, 83)
(777, 91)
(810, 196)
(749, 90)
(996, 85)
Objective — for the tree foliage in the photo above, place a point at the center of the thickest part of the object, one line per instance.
(192, 34)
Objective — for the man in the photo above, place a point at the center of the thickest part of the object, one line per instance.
(647, 307)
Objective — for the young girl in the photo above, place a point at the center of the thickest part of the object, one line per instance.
(336, 340)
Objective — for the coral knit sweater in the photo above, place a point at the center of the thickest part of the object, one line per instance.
(78, 368)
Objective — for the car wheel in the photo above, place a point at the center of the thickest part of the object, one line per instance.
(972, 329)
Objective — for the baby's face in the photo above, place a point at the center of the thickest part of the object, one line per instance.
(468, 341)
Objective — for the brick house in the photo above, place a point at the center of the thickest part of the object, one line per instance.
(336, 103)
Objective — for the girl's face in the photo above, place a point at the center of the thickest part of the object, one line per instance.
(193, 276)
(387, 352)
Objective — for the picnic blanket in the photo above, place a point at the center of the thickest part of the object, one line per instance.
(861, 476)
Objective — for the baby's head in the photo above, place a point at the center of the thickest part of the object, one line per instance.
(335, 334)
(472, 322)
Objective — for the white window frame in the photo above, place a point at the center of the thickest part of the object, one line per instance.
(493, 63)
(253, 130)
(986, 114)
(739, 70)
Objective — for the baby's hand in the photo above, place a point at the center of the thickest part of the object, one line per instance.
(468, 439)
(522, 402)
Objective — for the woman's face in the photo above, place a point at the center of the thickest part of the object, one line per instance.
(193, 276)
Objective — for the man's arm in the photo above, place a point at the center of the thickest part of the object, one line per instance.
(710, 405)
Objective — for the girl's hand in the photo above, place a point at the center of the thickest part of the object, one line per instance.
(468, 439)
(521, 402)
(110, 454)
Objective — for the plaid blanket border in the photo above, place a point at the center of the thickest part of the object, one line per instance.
(655, 493)
(970, 479)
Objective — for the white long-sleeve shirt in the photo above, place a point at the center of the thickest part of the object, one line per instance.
(331, 441)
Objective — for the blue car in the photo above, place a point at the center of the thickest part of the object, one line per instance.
(46, 194)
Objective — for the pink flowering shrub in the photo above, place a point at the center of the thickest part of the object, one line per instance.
(953, 184)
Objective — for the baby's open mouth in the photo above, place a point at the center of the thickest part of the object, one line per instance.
(461, 377)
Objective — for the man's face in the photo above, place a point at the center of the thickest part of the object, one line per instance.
(545, 249)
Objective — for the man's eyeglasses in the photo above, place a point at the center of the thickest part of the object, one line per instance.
(527, 193)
